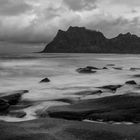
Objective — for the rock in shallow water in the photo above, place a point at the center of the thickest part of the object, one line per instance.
(111, 87)
(104, 68)
(119, 108)
(132, 82)
(85, 70)
(92, 68)
(17, 114)
(90, 92)
(45, 80)
(14, 97)
(134, 69)
(136, 76)
(118, 68)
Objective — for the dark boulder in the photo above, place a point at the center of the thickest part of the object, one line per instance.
(4, 105)
(133, 69)
(45, 80)
(105, 68)
(85, 70)
(92, 68)
(14, 97)
(136, 76)
(131, 82)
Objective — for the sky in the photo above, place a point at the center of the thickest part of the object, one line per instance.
(37, 21)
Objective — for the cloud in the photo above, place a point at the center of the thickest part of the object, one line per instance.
(13, 7)
(39, 20)
(130, 3)
(113, 27)
(77, 5)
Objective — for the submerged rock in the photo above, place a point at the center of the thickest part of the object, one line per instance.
(117, 68)
(45, 80)
(136, 76)
(105, 68)
(86, 93)
(111, 87)
(132, 82)
(133, 69)
(85, 70)
(92, 68)
(17, 114)
(69, 100)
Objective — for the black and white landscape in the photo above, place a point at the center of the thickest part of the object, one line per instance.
(69, 70)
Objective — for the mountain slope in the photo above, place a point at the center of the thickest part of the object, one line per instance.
(82, 40)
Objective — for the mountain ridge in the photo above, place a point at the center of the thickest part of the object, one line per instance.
(82, 40)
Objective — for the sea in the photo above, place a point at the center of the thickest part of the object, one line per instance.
(25, 71)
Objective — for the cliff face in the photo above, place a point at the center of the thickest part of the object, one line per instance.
(82, 40)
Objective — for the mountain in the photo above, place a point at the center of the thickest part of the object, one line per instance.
(82, 40)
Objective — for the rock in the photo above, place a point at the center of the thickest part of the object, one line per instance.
(110, 65)
(92, 68)
(131, 82)
(85, 70)
(118, 68)
(4, 105)
(105, 68)
(118, 108)
(133, 69)
(86, 93)
(82, 40)
(14, 97)
(17, 114)
(111, 87)
(136, 76)
(45, 80)
(69, 100)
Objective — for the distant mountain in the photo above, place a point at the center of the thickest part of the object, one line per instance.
(82, 40)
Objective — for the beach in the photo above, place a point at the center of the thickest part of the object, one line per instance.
(81, 99)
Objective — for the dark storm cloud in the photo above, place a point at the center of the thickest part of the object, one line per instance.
(13, 7)
(39, 20)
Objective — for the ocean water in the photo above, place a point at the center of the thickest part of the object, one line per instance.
(24, 71)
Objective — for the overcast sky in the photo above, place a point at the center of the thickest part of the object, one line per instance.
(39, 20)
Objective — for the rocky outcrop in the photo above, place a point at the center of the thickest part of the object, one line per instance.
(132, 82)
(45, 80)
(15, 97)
(10, 104)
(119, 108)
(82, 40)
(111, 87)
(85, 70)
